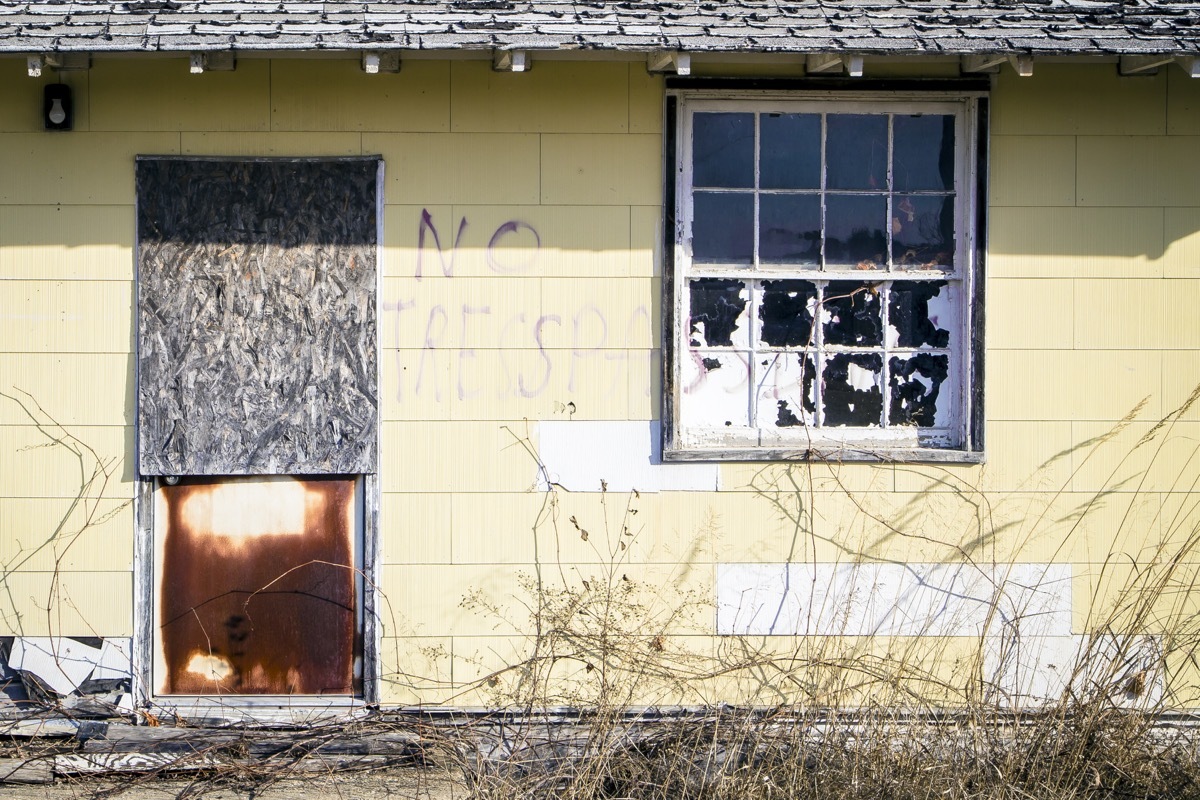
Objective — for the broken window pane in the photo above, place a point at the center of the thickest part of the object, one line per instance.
(851, 314)
(852, 390)
(923, 232)
(790, 156)
(718, 310)
(856, 151)
(723, 150)
(790, 228)
(920, 314)
(854, 232)
(915, 383)
(723, 227)
(786, 313)
(716, 385)
(923, 156)
(786, 390)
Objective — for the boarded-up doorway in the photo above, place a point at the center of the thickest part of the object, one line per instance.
(258, 584)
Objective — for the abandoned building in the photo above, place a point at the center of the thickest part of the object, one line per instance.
(348, 349)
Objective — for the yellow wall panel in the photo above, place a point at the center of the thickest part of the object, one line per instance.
(456, 457)
(645, 100)
(487, 168)
(21, 99)
(1032, 171)
(1132, 314)
(45, 534)
(646, 241)
(597, 169)
(67, 604)
(336, 95)
(131, 95)
(1021, 456)
(1079, 98)
(1073, 384)
(508, 240)
(415, 528)
(30, 466)
(1138, 170)
(456, 600)
(417, 671)
(1137, 457)
(1181, 377)
(439, 312)
(417, 384)
(819, 477)
(1183, 103)
(645, 384)
(1030, 313)
(261, 143)
(77, 389)
(554, 96)
(601, 314)
(76, 168)
(66, 242)
(1124, 598)
(66, 316)
(1078, 242)
(1182, 234)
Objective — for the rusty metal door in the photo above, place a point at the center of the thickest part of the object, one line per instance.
(258, 586)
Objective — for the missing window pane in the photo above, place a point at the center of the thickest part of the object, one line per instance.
(851, 390)
(718, 311)
(923, 155)
(915, 385)
(786, 313)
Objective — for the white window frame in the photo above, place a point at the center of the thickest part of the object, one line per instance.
(961, 440)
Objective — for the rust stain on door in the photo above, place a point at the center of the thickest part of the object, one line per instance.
(258, 590)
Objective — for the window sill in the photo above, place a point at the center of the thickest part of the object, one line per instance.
(836, 455)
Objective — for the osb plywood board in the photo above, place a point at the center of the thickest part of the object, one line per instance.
(256, 316)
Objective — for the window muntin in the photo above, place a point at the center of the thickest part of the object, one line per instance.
(823, 266)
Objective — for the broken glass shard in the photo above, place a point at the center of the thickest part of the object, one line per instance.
(790, 151)
(856, 151)
(786, 313)
(718, 310)
(923, 155)
(723, 150)
(717, 388)
(851, 314)
(786, 391)
(920, 314)
(790, 229)
(854, 231)
(852, 390)
(723, 227)
(915, 384)
(923, 232)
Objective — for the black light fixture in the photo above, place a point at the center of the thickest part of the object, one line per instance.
(57, 113)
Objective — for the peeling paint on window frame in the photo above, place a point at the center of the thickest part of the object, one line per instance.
(967, 100)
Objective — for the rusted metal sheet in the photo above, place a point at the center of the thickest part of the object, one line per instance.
(256, 316)
(258, 586)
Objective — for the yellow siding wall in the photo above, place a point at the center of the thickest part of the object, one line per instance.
(543, 303)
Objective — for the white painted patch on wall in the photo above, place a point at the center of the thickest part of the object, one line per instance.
(877, 599)
(578, 455)
(1025, 671)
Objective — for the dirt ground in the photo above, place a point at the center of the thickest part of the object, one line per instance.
(398, 784)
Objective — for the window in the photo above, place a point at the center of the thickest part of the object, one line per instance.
(824, 279)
